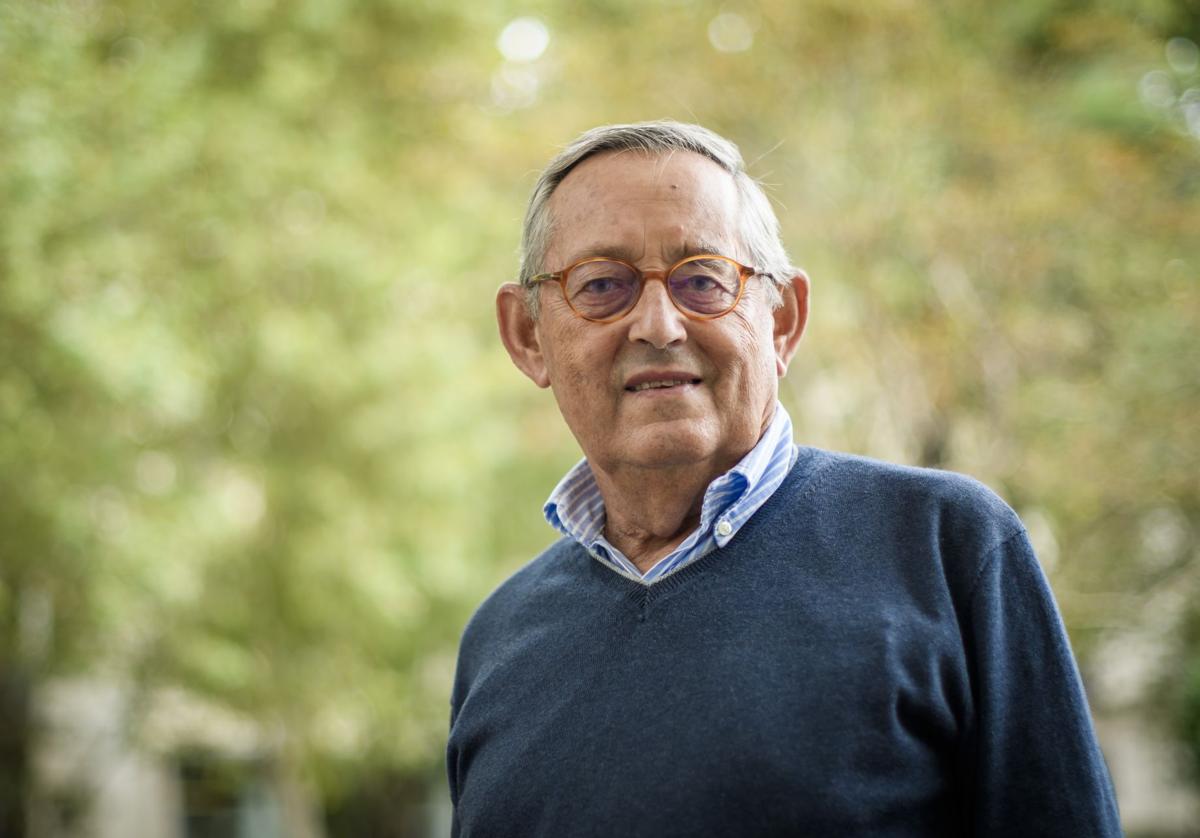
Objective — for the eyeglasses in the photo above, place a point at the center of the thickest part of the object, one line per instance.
(602, 290)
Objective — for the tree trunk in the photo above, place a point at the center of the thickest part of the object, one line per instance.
(299, 812)
(15, 740)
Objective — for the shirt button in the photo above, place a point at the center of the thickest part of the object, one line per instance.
(724, 528)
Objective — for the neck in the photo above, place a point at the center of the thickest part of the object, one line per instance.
(650, 511)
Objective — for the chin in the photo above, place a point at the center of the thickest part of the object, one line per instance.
(664, 447)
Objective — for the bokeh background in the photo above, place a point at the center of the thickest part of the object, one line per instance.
(262, 452)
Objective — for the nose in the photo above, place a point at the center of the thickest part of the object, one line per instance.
(655, 320)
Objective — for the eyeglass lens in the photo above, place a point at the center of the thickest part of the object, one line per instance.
(602, 289)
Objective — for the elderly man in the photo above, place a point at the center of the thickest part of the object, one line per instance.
(737, 635)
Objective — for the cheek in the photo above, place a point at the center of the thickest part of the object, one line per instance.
(573, 367)
(755, 350)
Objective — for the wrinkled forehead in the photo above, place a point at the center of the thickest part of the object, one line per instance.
(645, 175)
(631, 204)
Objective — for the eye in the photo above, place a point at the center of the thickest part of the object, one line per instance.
(602, 288)
(602, 278)
(698, 282)
(599, 286)
(705, 286)
(700, 279)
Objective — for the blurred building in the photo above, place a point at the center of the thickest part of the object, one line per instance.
(183, 771)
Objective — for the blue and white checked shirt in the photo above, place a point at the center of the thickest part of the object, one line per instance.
(576, 509)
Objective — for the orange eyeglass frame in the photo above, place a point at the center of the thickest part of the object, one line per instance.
(744, 273)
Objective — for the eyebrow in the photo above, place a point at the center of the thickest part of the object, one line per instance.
(691, 247)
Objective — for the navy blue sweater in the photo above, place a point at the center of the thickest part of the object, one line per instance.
(876, 653)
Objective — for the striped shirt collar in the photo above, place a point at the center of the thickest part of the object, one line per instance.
(576, 509)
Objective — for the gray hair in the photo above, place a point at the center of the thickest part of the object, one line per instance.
(759, 228)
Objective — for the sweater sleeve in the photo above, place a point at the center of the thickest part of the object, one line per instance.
(1038, 766)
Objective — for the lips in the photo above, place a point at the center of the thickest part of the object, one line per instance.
(660, 385)
(660, 380)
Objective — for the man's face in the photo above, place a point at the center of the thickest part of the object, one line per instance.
(652, 211)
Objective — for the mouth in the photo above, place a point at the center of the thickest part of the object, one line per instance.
(660, 381)
(661, 385)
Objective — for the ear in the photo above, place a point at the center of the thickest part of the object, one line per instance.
(519, 333)
(790, 319)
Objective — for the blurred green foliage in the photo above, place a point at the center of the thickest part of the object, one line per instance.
(262, 447)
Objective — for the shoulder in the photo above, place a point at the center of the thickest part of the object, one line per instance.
(550, 567)
(555, 569)
(863, 476)
(874, 499)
